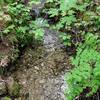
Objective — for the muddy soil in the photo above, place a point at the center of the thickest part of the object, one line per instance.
(41, 74)
(41, 71)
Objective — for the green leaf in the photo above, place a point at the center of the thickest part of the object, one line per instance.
(65, 5)
(39, 33)
(53, 12)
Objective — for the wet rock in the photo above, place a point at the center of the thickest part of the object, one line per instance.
(37, 9)
(51, 40)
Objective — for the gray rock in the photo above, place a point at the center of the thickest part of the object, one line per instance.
(51, 40)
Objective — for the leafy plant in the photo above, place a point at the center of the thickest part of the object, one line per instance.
(87, 67)
(66, 39)
(74, 17)
(6, 1)
(22, 24)
(66, 10)
(7, 98)
(39, 33)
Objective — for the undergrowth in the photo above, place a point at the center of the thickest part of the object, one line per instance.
(78, 21)
(74, 18)
(22, 25)
(86, 74)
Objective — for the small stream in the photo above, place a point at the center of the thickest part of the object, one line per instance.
(41, 71)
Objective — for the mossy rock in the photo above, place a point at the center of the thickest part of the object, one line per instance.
(13, 87)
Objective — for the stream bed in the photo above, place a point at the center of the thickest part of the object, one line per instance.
(41, 71)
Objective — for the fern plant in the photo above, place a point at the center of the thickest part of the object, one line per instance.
(22, 24)
(86, 73)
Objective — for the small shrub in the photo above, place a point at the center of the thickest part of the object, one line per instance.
(86, 73)
(66, 39)
(74, 17)
(22, 24)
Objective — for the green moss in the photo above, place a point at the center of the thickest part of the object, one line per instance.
(15, 90)
(7, 98)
